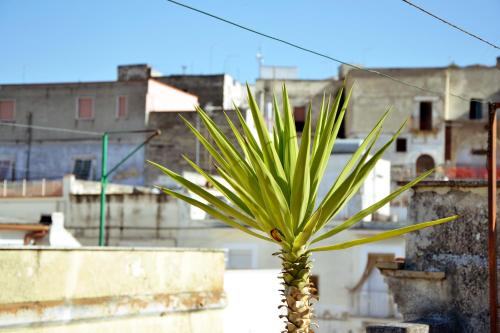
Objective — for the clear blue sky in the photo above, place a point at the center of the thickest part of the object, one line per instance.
(61, 40)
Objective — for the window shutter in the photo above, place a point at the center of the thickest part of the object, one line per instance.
(122, 107)
(85, 108)
(7, 110)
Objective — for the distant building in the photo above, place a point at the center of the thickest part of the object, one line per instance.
(443, 130)
(79, 107)
(301, 93)
(138, 100)
(215, 92)
(434, 119)
(217, 95)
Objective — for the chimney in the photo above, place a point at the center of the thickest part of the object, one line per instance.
(139, 72)
(498, 62)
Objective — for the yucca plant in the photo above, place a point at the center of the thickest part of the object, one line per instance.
(271, 182)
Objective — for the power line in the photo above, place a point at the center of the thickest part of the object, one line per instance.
(451, 24)
(67, 130)
(46, 128)
(302, 48)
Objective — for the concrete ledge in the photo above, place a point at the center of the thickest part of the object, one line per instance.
(185, 322)
(406, 274)
(398, 328)
(45, 286)
(51, 312)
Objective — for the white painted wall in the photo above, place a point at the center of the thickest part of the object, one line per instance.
(252, 299)
(164, 98)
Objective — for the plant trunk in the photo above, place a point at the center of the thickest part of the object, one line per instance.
(298, 291)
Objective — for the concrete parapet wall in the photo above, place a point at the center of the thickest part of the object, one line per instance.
(111, 290)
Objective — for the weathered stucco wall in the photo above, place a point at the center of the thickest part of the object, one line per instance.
(140, 218)
(52, 160)
(134, 215)
(480, 82)
(371, 97)
(300, 93)
(55, 105)
(111, 290)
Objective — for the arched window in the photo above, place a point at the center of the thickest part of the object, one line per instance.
(424, 163)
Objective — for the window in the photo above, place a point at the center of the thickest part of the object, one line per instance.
(426, 116)
(121, 107)
(476, 109)
(448, 137)
(7, 108)
(401, 145)
(341, 133)
(82, 169)
(424, 163)
(299, 114)
(85, 108)
(4, 169)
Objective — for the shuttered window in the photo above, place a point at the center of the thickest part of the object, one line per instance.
(85, 108)
(121, 110)
(7, 108)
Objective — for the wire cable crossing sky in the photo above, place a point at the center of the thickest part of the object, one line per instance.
(451, 24)
(302, 48)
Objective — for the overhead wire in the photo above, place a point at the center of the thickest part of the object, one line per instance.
(320, 54)
(47, 128)
(67, 130)
(451, 24)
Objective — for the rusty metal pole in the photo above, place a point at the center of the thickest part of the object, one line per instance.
(492, 212)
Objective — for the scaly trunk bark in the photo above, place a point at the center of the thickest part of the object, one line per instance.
(298, 291)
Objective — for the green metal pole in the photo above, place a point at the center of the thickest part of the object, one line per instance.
(105, 174)
(104, 182)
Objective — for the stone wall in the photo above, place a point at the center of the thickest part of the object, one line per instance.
(208, 88)
(111, 290)
(446, 269)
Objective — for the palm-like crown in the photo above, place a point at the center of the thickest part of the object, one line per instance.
(272, 181)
